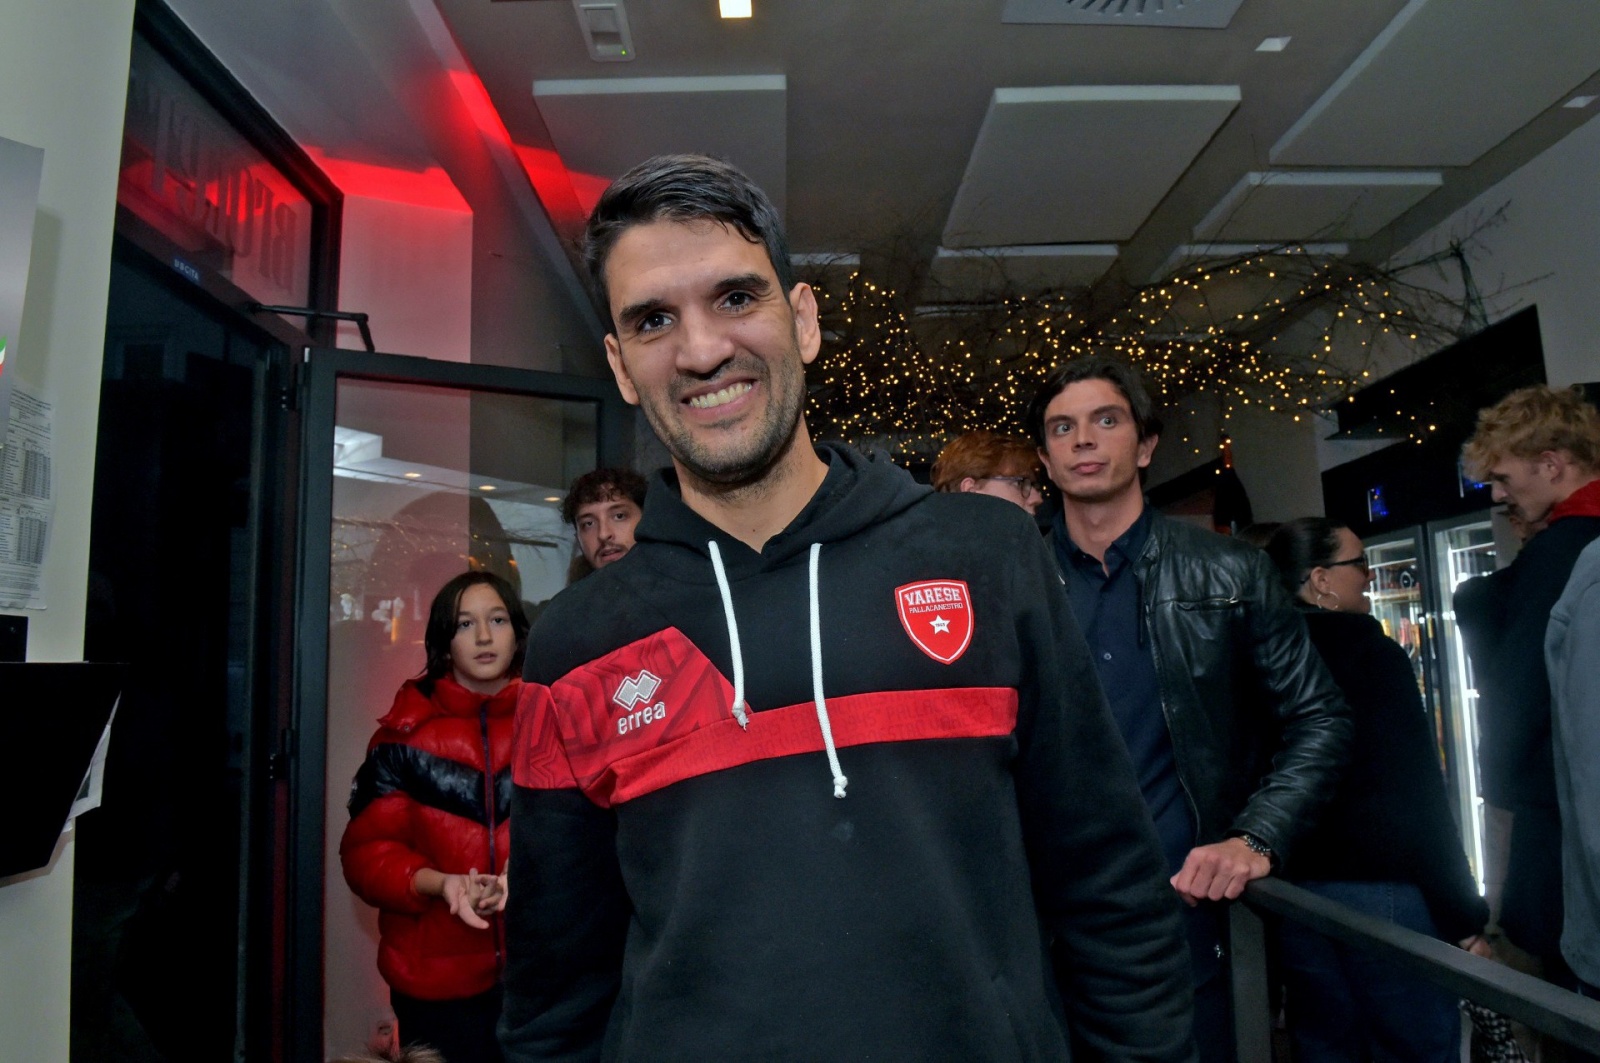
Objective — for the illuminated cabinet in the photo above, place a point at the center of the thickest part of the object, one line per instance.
(1415, 573)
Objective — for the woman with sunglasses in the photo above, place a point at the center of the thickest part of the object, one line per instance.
(1386, 845)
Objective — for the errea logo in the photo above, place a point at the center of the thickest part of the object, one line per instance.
(634, 691)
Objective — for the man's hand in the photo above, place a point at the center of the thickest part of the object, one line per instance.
(1478, 945)
(1218, 871)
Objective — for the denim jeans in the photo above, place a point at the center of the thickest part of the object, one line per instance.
(1345, 1004)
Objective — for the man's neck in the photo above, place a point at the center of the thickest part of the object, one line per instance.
(1094, 526)
(754, 512)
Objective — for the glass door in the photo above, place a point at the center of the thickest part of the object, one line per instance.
(1398, 601)
(414, 471)
(1462, 549)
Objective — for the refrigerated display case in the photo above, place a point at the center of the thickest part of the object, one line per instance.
(1415, 573)
(1462, 549)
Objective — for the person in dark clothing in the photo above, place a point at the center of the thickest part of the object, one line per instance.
(815, 768)
(1386, 845)
(1539, 448)
(1236, 730)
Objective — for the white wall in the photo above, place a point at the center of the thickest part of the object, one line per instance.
(63, 84)
(1549, 245)
(409, 268)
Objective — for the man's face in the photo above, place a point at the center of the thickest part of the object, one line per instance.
(1527, 487)
(1092, 448)
(708, 346)
(605, 529)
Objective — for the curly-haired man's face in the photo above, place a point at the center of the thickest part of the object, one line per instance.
(1529, 488)
(605, 529)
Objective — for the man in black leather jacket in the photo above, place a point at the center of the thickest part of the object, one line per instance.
(1235, 728)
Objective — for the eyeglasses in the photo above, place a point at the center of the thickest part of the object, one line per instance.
(1358, 562)
(1023, 484)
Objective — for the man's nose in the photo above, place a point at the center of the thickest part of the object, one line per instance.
(1497, 494)
(704, 344)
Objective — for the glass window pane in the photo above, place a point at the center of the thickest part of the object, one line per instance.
(428, 482)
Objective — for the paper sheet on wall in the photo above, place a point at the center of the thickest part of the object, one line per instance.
(94, 780)
(27, 502)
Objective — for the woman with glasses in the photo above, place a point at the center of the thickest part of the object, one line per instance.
(1386, 845)
(988, 463)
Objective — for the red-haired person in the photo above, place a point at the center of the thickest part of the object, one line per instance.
(988, 463)
(428, 835)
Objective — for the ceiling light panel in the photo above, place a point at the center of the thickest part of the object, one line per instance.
(1338, 205)
(1080, 164)
(606, 126)
(1446, 81)
(734, 8)
(1194, 14)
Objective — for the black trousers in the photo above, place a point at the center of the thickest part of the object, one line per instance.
(462, 1030)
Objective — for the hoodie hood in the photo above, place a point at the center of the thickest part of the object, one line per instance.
(859, 491)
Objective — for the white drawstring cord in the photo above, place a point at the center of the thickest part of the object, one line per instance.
(839, 780)
(733, 636)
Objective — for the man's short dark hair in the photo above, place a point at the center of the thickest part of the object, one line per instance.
(682, 188)
(602, 485)
(1114, 371)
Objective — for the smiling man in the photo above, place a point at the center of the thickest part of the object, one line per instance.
(821, 772)
(1236, 731)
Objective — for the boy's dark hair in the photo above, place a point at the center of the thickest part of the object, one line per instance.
(682, 188)
(600, 485)
(1118, 373)
(441, 629)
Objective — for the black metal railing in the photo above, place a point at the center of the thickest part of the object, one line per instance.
(1519, 997)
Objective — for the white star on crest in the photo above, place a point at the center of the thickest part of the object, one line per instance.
(940, 625)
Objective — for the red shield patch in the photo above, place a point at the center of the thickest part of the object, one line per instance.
(937, 614)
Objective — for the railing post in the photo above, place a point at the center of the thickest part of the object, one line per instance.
(1252, 1014)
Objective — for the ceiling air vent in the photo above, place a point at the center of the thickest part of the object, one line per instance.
(1191, 14)
(605, 30)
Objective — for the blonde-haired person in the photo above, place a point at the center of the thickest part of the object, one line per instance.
(988, 463)
(1539, 450)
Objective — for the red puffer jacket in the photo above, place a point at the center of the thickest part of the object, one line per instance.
(422, 799)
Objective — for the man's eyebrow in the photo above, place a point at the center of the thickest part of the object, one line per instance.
(1109, 409)
(631, 315)
(754, 283)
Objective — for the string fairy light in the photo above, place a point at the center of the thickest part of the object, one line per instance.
(906, 378)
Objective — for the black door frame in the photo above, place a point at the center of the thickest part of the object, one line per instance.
(305, 742)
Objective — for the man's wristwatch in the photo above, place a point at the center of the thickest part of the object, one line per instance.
(1258, 846)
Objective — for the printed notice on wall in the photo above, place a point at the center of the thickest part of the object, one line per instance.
(27, 501)
(20, 167)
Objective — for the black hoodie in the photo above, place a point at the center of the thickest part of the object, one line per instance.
(726, 848)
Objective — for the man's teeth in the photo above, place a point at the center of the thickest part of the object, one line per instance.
(717, 398)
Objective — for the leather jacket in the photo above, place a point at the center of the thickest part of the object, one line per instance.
(1260, 730)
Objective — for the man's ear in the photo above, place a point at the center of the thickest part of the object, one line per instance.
(1554, 462)
(1147, 447)
(967, 483)
(630, 394)
(807, 329)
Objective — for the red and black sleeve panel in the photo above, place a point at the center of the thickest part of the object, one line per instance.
(656, 712)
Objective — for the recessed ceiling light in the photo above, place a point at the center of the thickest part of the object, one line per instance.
(413, 476)
(1273, 44)
(552, 498)
(1580, 101)
(486, 487)
(735, 8)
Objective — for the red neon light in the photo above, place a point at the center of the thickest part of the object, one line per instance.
(426, 188)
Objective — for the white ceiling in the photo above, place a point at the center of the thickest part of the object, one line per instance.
(1112, 144)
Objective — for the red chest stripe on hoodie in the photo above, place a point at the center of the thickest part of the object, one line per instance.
(656, 712)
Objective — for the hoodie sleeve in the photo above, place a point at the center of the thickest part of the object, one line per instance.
(1098, 875)
(567, 913)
